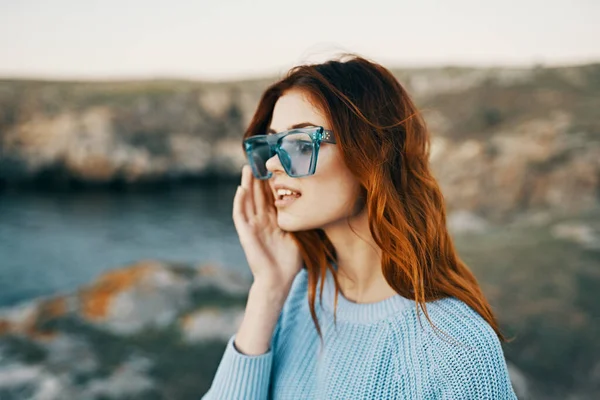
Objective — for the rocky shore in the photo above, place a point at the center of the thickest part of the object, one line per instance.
(157, 330)
(152, 330)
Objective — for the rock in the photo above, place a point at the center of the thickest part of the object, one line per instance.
(211, 323)
(128, 380)
(466, 222)
(21, 381)
(578, 233)
(147, 330)
(145, 295)
(226, 281)
(70, 353)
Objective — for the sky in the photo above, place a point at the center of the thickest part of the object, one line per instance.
(236, 39)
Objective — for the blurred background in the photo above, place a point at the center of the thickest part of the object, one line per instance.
(121, 274)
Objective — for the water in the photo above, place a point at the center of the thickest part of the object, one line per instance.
(53, 242)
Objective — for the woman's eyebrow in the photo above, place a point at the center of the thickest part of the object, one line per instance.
(295, 126)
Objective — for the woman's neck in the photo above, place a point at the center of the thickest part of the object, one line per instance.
(358, 261)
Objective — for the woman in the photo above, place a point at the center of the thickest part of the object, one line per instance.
(364, 230)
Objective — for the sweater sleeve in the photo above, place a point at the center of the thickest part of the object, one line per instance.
(474, 368)
(247, 377)
(241, 376)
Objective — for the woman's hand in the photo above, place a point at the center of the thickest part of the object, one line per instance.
(272, 254)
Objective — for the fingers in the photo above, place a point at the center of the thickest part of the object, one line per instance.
(239, 215)
(248, 204)
(252, 204)
(259, 196)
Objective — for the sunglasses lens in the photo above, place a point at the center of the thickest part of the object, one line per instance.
(296, 153)
(258, 153)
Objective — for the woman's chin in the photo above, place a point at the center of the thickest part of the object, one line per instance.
(288, 224)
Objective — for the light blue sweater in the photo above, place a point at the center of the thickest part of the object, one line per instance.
(378, 351)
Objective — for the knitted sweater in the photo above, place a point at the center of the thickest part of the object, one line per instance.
(375, 351)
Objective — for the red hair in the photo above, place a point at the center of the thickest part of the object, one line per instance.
(385, 143)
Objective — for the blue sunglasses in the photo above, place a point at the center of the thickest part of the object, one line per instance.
(297, 150)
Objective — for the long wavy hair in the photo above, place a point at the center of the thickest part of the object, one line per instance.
(385, 144)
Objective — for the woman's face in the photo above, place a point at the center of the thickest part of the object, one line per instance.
(328, 196)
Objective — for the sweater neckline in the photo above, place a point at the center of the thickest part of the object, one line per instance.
(348, 310)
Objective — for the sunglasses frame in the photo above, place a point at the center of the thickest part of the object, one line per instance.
(318, 135)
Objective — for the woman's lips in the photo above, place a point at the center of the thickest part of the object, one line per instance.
(286, 200)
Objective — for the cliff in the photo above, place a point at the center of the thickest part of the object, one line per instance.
(504, 140)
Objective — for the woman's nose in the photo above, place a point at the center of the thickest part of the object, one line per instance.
(274, 164)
